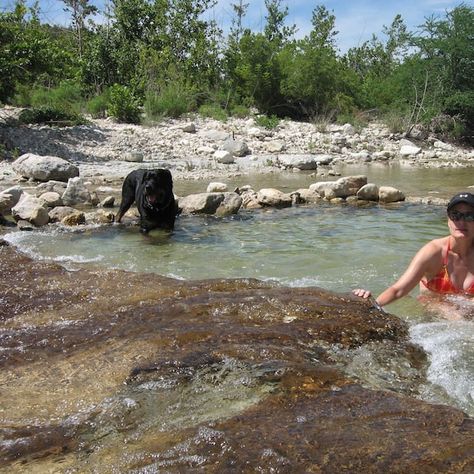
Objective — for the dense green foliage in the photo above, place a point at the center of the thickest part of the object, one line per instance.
(154, 58)
(50, 116)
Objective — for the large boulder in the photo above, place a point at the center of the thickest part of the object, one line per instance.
(73, 219)
(44, 168)
(59, 213)
(389, 194)
(9, 198)
(201, 203)
(230, 205)
(308, 195)
(76, 193)
(249, 198)
(301, 161)
(52, 199)
(342, 188)
(274, 198)
(216, 187)
(323, 159)
(224, 157)
(353, 183)
(369, 192)
(409, 150)
(31, 209)
(236, 147)
(51, 186)
(133, 157)
(275, 146)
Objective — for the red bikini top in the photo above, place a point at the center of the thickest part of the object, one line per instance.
(441, 283)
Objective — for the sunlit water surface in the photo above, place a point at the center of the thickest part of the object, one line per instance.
(334, 247)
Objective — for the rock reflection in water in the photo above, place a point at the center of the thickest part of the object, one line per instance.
(108, 371)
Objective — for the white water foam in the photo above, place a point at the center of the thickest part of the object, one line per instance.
(77, 259)
(299, 282)
(450, 346)
(18, 240)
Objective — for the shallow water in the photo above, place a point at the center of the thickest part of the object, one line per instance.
(334, 247)
(413, 181)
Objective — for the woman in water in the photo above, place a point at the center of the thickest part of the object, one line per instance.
(442, 266)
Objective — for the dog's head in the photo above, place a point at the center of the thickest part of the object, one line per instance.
(158, 188)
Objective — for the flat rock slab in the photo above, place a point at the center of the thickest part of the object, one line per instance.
(105, 370)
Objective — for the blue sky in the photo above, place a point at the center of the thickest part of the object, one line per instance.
(356, 20)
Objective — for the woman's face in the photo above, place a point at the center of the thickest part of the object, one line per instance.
(458, 226)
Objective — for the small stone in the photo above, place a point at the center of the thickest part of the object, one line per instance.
(216, 187)
(134, 157)
(224, 157)
(76, 218)
(109, 201)
(189, 128)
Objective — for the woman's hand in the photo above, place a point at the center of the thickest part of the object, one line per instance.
(362, 293)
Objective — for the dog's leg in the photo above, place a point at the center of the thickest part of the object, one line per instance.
(128, 196)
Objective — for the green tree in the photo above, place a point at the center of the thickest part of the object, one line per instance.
(323, 33)
(31, 53)
(446, 48)
(152, 38)
(256, 76)
(100, 65)
(237, 29)
(375, 61)
(275, 29)
(80, 10)
(311, 72)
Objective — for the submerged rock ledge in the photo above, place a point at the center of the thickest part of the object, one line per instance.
(109, 371)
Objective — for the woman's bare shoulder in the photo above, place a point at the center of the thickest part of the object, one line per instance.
(437, 245)
(432, 253)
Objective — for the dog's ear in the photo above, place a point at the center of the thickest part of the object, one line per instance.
(166, 173)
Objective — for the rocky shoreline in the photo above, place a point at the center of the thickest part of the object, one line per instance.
(199, 149)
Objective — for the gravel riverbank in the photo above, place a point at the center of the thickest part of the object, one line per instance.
(202, 149)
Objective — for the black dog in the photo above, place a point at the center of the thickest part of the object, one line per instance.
(152, 190)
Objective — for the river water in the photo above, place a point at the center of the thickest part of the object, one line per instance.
(336, 247)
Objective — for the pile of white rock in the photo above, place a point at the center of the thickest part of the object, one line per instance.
(350, 189)
(63, 196)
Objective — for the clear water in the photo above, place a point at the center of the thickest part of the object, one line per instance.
(334, 247)
(419, 182)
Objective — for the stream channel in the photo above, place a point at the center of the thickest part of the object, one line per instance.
(335, 247)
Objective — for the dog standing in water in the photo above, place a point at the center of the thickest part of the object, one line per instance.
(152, 191)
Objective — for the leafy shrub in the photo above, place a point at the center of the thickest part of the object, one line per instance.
(51, 116)
(97, 106)
(173, 100)
(396, 121)
(214, 111)
(358, 120)
(67, 96)
(22, 97)
(267, 122)
(447, 127)
(123, 105)
(461, 105)
(240, 111)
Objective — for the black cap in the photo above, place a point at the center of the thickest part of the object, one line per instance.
(467, 198)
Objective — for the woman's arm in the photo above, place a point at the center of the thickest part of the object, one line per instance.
(424, 262)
